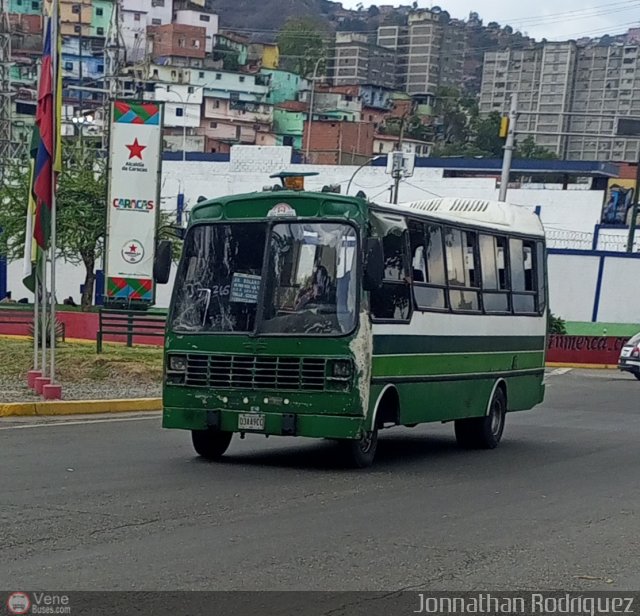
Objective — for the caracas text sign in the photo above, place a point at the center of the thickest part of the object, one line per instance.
(134, 190)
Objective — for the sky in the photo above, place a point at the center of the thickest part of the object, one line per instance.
(550, 19)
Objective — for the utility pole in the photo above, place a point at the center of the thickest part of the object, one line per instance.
(311, 101)
(508, 148)
(634, 211)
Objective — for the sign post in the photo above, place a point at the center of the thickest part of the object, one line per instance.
(135, 152)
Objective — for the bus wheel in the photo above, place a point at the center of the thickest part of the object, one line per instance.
(210, 444)
(484, 432)
(360, 453)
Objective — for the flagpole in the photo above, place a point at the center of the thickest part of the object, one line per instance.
(54, 120)
(36, 319)
(43, 289)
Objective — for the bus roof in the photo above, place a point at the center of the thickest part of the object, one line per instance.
(477, 212)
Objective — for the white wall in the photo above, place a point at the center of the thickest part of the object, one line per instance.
(572, 285)
(620, 294)
(572, 278)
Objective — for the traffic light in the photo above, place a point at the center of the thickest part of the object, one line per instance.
(504, 127)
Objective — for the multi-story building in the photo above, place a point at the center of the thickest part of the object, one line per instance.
(208, 21)
(25, 7)
(543, 77)
(430, 51)
(178, 44)
(569, 96)
(607, 86)
(355, 60)
(334, 142)
(135, 17)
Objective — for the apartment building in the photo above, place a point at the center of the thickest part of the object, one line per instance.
(430, 50)
(569, 96)
(355, 60)
(607, 86)
(543, 78)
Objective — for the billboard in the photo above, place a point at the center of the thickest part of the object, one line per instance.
(618, 202)
(134, 201)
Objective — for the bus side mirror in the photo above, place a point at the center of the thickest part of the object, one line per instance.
(162, 263)
(373, 265)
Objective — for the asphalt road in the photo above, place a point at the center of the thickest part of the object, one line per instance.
(115, 504)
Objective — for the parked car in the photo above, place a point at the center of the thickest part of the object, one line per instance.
(630, 357)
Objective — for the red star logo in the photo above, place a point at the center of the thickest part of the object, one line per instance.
(135, 149)
(133, 248)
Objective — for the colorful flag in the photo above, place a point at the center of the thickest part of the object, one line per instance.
(32, 251)
(48, 110)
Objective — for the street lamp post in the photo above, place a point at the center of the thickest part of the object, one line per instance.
(362, 166)
(184, 123)
(313, 91)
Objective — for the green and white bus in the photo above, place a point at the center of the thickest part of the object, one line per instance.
(314, 314)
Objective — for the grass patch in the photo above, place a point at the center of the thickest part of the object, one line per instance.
(77, 362)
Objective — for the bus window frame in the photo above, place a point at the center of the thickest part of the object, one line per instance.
(430, 285)
(270, 223)
(536, 242)
(407, 282)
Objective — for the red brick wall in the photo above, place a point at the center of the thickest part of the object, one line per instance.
(339, 143)
(167, 41)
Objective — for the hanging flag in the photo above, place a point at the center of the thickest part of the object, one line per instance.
(32, 251)
(48, 110)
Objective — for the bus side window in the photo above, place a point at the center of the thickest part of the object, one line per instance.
(461, 269)
(392, 302)
(521, 259)
(540, 276)
(429, 280)
(495, 294)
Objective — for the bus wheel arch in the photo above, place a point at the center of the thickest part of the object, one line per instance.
(387, 407)
(485, 432)
(502, 385)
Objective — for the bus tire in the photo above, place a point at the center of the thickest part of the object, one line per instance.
(360, 453)
(484, 432)
(637, 375)
(211, 444)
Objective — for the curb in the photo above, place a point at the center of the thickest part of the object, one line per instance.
(80, 407)
(553, 364)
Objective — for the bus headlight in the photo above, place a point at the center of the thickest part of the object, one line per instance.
(178, 363)
(341, 369)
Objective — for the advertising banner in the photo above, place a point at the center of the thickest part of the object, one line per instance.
(618, 201)
(134, 201)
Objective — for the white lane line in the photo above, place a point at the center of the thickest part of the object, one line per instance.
(78, 423)
(560, 371)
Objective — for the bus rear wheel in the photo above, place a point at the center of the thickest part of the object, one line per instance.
(484, 432)
(211, 444)
(360, 453)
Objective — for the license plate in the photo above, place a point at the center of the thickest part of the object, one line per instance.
(626, 352)
(251, 421)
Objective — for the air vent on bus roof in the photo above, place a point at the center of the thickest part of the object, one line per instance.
(468, 205)
(432, 205)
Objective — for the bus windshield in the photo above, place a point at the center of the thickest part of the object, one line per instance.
(309, 279)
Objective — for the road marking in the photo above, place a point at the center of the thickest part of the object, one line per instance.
(78, 423)
(559, 371)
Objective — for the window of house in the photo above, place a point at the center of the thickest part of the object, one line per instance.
(100, 31)
(179, 112)
(218, 76)
(201, 75)
(99, 11)
(75, 9)
(205, 18)
(241, 79)
(213, 125)
(68, 66)
(136, 16)
(156, 22)
(191, 89)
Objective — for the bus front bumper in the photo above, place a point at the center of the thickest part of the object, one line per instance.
(279, 424)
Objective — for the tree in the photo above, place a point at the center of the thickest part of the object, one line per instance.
(302, 45)
(455, 114)
(81, 215)
(487, 135)
(529, 149)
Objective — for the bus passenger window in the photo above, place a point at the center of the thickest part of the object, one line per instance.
(493, 274)
(540, 276)
(461, 269)
(522, 277)
(393, 300)
(428, 266)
